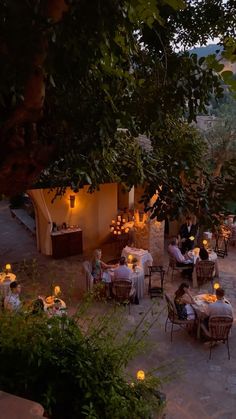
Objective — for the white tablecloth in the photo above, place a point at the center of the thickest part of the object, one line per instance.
(144, 258)
(137, 279)
(5, 280)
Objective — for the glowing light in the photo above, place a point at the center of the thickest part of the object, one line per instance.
(8, 267)
(216, 286)
(141, 375)
(57, 290)
(204, 242)
(130, 258)
(191, 238)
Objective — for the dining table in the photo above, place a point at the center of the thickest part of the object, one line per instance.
(5, 281)
(137, 279)
(54, 305)
(194, 254)
(142, 256)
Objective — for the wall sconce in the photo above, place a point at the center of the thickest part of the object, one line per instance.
(72, 201)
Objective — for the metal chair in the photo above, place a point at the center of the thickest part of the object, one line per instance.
(172, 317)
(122, 291)
(156, 291)
(173, 265)
(204, 271)
(218, 330)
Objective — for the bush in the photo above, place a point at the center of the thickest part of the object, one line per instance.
(73, 373)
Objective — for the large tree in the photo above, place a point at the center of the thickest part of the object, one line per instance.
(72, 72)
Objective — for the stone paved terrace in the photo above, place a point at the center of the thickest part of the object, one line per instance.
(198, 388)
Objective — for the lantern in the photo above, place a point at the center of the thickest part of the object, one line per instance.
(140, 375)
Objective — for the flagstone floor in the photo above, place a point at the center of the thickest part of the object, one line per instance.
(197, 388)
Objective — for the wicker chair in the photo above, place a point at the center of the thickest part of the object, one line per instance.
(218, 330)
(122, 290)
(87, 266)
(204, 271)
(173, 265)
(172, 317)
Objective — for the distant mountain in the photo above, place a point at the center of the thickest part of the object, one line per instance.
(207, 50)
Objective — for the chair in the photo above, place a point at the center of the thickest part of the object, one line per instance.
(87, 266)
(172, 317)
(156, 291)
(218, 330)
(221, 246)
(204, 271)
(173, 265)
(122, 289)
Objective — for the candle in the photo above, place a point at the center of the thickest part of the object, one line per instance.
(119, 232)
(57, 290)
(204, 242)
(191, 238)
(130, 257)
(127, 230)
(123, 220)
(8, 267)
(113, 222)
(119, 218)
(112, 228)
(118, 223)
(115, 232)
(140, 375)
(130, 266)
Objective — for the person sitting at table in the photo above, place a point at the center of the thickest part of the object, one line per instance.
(187, 230)
(183, 300)
(12, 301)
(98, 266)
(122, 272)
(221, 307)
(233, 232)
(181, 260)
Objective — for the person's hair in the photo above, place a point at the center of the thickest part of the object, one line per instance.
(188, 217)
(180, 291)
(220, 292)
(203, 253)
(96, 253)
(14, 285)
(122, 260)
(38, 306)
(173, 241)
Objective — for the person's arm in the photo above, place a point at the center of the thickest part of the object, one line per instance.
(106, 266)
(187, 298)
(7, 304)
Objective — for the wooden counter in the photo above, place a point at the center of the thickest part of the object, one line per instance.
(67, 242)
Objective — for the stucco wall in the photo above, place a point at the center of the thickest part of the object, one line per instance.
(92, 212)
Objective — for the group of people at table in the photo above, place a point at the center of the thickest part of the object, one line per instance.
(110, 273)
(11, 302)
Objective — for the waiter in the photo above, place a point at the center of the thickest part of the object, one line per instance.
(187, 234)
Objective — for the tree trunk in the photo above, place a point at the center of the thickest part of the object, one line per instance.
(23, 156)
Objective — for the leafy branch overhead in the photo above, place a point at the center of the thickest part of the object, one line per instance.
(72, 73)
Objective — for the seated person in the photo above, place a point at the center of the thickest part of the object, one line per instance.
(181, 260)
(220, 307)
(203, 254)
(12, 301)
(183, 300)
(98, 266)
(187, 230)
(38, 306)
(122, 272)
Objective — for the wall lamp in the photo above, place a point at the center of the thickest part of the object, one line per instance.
(72, 201)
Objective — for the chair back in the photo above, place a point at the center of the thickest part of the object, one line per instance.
(204, 271)
(172, 261)
(87, 266)
(219, 327)
(172, 313)
(122, 289)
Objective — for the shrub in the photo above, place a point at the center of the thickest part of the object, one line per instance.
(73, 371)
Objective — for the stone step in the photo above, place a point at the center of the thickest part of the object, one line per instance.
(27, 221)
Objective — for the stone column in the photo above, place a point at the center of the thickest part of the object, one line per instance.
(149, 235)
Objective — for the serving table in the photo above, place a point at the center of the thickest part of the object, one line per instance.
(143, 257)
(67, 242)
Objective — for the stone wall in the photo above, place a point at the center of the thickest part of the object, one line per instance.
(149, 235)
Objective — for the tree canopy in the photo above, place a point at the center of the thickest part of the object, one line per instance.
(72, 72)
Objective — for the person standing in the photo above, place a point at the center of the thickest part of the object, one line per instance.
(187, 234)
(12, 301)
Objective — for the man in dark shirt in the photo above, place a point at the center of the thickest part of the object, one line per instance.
(187, 234)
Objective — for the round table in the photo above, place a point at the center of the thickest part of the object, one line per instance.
(5, 280)
(143, 257)
(51, 305)
(137, 278)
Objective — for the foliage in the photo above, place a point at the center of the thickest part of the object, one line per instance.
(74, 370)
